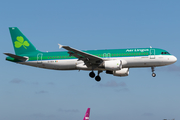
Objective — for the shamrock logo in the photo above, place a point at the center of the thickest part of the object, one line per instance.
(20, 42)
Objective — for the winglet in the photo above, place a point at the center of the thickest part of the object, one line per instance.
(60, 46)
(86, 117)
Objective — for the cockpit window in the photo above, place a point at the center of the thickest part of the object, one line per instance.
(165, 53)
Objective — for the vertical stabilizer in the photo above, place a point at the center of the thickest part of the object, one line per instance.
(21, 44)
(86, 117)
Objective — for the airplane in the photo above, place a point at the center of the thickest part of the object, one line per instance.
(116, 62)
(87, 114)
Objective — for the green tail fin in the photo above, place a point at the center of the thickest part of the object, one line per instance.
(21, 44)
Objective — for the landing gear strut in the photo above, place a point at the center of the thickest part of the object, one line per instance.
(153, 74)
(98, 78)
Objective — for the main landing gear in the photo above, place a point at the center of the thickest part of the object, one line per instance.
(153, 74)
(92, 74)
(97, 78)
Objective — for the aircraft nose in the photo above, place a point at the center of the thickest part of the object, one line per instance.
(173, 59)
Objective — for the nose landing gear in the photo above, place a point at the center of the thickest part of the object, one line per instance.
(153, 74)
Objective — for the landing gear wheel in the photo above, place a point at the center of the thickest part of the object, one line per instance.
(154, 74)
(92, 74)
(98, 78)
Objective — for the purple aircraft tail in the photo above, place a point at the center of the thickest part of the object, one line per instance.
(86, 117)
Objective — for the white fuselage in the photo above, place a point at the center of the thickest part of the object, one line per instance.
(127, 62)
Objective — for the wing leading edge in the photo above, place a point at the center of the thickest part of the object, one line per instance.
(89, 59)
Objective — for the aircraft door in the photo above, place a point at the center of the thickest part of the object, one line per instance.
(39, 58)
(152, 53)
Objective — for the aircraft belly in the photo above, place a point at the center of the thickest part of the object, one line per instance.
(53, 64)
(65, 65)
(143, 62)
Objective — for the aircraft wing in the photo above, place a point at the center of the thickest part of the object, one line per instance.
(88, 59)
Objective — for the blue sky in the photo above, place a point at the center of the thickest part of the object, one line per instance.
(29, 93)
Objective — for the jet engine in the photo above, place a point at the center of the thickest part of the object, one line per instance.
(120, 73)
(113, 65)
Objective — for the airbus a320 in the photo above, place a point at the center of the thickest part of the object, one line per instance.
(114, 61)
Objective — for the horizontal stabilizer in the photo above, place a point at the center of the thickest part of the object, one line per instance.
(16, 56)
